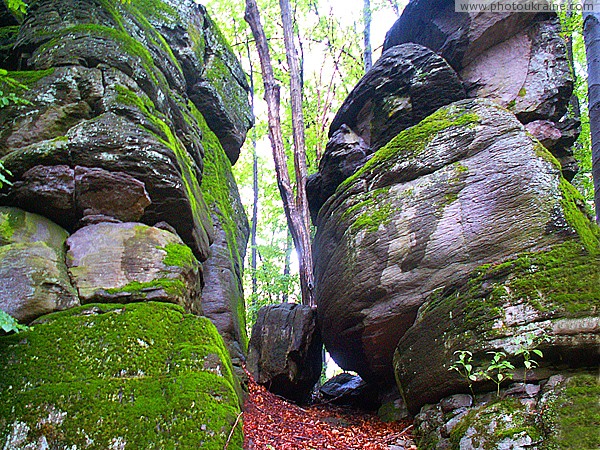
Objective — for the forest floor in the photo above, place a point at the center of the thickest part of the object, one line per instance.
(272, 423)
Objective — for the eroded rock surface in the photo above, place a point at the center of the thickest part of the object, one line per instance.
(285, 352)
(33, 274)
(465, 187)
(127, 262)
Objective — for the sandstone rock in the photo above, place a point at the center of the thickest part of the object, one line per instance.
(552, 295)
(223, 294)
(65, 194)
(465, 187)
(138, 375)
(126, 262)
(33, 274)
(345, 153)
(285, 351)
(113, 194)
(404, 86)
(349, 390)
(518, 60)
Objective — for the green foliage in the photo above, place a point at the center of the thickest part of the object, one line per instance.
(464, 366)
(4, 172)
(9, 87)
(8, 324)
(527, 350)
(17, 7)
(499, 370)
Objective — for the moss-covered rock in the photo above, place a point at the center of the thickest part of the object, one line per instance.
(466, 186)
(126, 262)
(33, 274)
(133, 376)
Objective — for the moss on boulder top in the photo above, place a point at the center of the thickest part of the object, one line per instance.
(142, 375)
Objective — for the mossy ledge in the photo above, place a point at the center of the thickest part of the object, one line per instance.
(98, 376)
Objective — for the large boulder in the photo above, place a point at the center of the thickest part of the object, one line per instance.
(404, 86)
(517, 59)
(467, 186)
(33, 274)
(143, 375)
(127, 262)
(349, 390)
(285, 352)
(548, 299)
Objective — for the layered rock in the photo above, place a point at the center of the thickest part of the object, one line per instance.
(140, 375)
(465, 187)
(404, 86)
(518, 60)
(33, 274)
(285, 352)
(123, 106)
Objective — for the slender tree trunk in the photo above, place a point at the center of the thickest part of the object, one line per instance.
(297, 219)
(591, 35)
(574, 100)
(253, 229)
(394, 5)
(368, 53)
(289, 248)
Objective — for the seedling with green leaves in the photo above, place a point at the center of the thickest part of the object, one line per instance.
(464, 366)
(499, 370)
(527, 350)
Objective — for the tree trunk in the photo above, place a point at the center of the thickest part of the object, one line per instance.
(289, 248)
(394, 5)
(368, 53)
(253, 229)
(296, 218)
(591, 35)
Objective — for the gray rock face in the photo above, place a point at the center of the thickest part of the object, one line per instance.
(285, 352)
(465, 187)
(33, 274)
(404, 86)
(349, 390)
(127, 262)
(345, 153)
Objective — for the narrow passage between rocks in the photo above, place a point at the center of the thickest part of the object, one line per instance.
(272, 423)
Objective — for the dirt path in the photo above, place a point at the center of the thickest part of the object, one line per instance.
(271, 423)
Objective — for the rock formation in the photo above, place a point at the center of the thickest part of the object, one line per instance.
(458, 232)
(285, 352)
(122, 192)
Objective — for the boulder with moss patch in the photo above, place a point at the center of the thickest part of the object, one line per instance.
(33, 274)
(127, 262)
(99, 376)
(466, 186)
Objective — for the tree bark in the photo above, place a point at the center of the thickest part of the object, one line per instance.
(253, 229)
(368, 53)
(591, 35)
(296, 218)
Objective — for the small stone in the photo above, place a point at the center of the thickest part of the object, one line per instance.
(456, 401)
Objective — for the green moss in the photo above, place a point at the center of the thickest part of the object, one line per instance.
(492, 423)
(179, 255)
(573, 416)
(145, 374)
(414, 140)
(30, 77)
(522, 92)
(572, 204)
(369, 211)
(450, 197)
(175, 288)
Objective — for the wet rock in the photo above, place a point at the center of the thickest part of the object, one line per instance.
(455, 402)
(127, 262)
(285, 352)
(404, 86)
(33, 275)
(465, 187)
(349, 390)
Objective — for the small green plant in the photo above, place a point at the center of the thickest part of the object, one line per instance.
(527, 350)
(464, 366)
(499, 370)
(3, 173)
(9, 98)
(9, 324)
